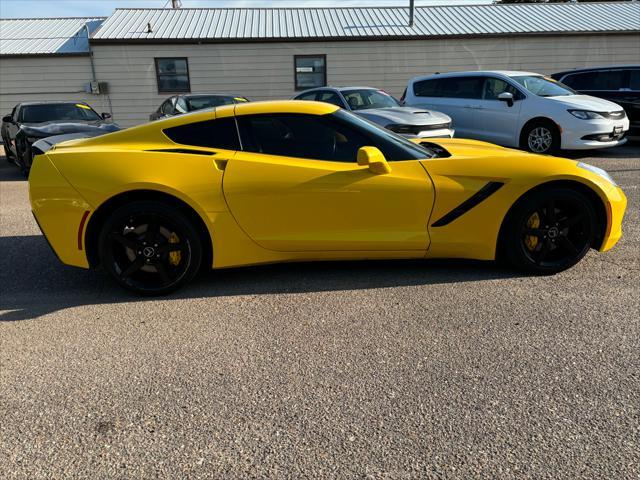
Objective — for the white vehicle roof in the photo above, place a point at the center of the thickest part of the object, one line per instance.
(506, 73)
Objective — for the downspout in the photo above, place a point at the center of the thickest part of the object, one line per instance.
(94, 77)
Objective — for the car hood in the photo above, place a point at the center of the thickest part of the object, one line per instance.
(403, 116)
(587, 102)
(43, 130)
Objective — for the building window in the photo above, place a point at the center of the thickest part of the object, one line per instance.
(310, 71)
(172, 75)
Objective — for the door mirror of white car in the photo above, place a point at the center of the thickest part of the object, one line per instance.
(105, 115)
(7, 119)
(374, 159)
(506, 97)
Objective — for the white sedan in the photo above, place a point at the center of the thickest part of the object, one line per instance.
(520, 109)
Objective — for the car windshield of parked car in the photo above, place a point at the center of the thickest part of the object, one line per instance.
(198, 103)
(364, 99)
(544, 87)
(393, 146)
(58, 112)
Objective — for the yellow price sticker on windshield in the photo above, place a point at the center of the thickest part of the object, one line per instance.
(238, 99)
(86, 107)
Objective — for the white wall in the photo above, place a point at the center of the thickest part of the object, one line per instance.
(263, 71)
(29, 79)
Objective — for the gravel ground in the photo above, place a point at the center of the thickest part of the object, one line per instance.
(340, 370)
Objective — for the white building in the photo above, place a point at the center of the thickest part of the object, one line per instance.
(142, 56)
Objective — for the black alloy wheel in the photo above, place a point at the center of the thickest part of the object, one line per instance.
(551, 230)
(150, 248)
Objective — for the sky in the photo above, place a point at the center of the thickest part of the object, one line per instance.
(102, 8)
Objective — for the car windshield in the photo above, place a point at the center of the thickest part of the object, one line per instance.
(58, 112)
(363, 99)
(385, 139)
(543, 86)
(198, 103)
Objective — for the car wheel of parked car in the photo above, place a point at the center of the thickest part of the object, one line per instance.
(549, 231)
(26, 158)
(150, 247)
(540, 137)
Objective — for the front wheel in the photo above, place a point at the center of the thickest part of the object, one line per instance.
(541, 137)
(150, 247)
(550, 230)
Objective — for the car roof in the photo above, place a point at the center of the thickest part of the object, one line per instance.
(505, 73)
(595, 69)
(210, 95)
(337, 88)
(52, 102)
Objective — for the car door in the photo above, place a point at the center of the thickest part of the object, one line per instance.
(606, 84)
(497, 121)
(458, 97)
(631, 97)
(296, 186)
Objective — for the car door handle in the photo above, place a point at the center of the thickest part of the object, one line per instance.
(221, 163)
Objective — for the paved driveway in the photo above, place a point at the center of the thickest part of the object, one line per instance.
(341, 370)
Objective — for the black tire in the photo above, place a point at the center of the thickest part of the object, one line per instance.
(549, 230)
(150, 248)
(541, 137)
(25, 158)
(8, 154)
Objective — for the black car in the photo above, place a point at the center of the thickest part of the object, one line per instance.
(619, 84)
(180, 104)
(33, 121)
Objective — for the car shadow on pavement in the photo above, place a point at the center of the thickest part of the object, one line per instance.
(34, 283)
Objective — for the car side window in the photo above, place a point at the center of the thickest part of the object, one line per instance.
(495, 86)
(634, 79)
(181, 105)
(600, 80)
(461, 87)
(427, 88)
(220, 133)
(450, 87)
(330, 97)
(167, 107)
(307, 96)
(300, 136)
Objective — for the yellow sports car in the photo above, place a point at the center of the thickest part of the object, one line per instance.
(292, 180)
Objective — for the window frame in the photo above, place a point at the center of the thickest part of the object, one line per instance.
(186, 60)
(298, 88)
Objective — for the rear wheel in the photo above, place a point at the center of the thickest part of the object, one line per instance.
(550, 231)
(150, 247)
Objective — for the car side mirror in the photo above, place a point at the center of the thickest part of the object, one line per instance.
(105, 115)
(374, 159)
(7, 119)
(506, 97)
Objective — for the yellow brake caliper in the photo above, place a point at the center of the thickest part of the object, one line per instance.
(174, 257)
(531, 241)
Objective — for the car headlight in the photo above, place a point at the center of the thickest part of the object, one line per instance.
(598, 171)
(585, 114)
(397, 128)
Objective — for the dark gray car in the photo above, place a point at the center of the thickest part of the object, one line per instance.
(32, 121)
(380, 107)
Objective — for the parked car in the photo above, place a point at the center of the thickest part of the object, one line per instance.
(383, 109)
(308, 181)
(179, 104)
(32, 121)
(520, 109)
(619, 84)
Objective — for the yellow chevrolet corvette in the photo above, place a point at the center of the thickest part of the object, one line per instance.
(292, 180)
